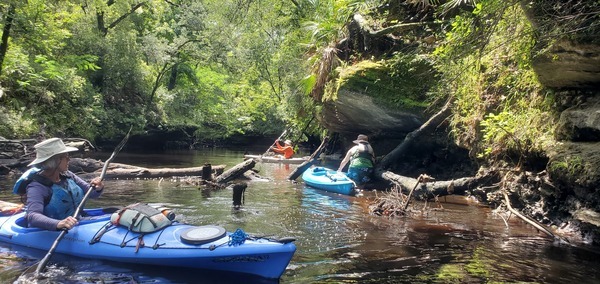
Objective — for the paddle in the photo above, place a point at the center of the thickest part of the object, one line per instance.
(278, 138)
(46, 258)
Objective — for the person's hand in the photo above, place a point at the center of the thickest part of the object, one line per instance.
(67, 223)
(97, 183)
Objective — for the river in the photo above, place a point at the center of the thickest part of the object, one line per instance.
(338, 241)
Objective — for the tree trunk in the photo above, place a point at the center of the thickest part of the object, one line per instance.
(89, 168)
(428, 126)
(10, 15)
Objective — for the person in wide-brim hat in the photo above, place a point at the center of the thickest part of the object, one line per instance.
(361, 139)
(361, 160)
(48, 148)
(52, 192)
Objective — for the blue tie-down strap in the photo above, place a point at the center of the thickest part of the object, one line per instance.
(237, 238)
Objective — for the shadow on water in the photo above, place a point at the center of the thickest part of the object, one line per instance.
(337, 240)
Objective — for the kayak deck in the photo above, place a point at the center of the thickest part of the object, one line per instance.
(97, 238)
(276, 159)
(329, 180)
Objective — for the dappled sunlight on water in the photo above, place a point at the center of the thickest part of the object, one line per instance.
(337, 240)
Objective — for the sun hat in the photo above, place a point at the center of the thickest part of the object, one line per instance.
(48, 148)
(289, 142)
(361, 139)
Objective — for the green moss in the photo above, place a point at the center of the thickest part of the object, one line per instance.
(451, 273)
(571, 166)
(400, 83)
(477, 266)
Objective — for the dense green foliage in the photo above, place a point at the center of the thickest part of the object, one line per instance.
(94, 68)
(500, 108)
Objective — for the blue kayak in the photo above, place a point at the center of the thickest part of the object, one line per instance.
(328, 180)
(178, 245)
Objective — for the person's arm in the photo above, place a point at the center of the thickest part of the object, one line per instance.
(346, 159)
(98, 189)
(278, 148)
(36, 194)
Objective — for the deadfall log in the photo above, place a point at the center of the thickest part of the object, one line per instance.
(429, 126)
(427, 190)
(89, 168)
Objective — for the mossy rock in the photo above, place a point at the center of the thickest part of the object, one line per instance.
(398, 85)
(385, 97)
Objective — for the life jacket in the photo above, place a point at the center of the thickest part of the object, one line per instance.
(363, 157)
(26, 178)
(64, 201)
(20, 186)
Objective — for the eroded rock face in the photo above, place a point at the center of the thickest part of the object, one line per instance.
(574, 167)
(355, 113)
(569, 65)
(580, 123)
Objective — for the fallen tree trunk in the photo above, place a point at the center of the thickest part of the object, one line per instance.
(89, 168)
(236, 171)
(427, 190)
(428, 126)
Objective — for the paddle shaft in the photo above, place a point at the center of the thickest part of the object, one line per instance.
(46, 258)
(278, 138)
(304, 166)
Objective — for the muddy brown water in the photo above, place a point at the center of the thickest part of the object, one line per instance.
(454, 241)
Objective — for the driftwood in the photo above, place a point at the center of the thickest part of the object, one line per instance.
(236, 171)
(531, 221)
(305, 165)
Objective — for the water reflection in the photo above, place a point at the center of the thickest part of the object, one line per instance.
(337, 240)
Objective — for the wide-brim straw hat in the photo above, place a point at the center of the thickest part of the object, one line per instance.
(48, 148)
(361, 139)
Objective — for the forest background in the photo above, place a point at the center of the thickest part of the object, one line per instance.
(221, 68)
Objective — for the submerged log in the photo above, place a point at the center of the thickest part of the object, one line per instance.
(253, 176)
(236, 171)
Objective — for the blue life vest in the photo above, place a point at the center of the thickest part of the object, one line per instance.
(64, 201)
(20, 186)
